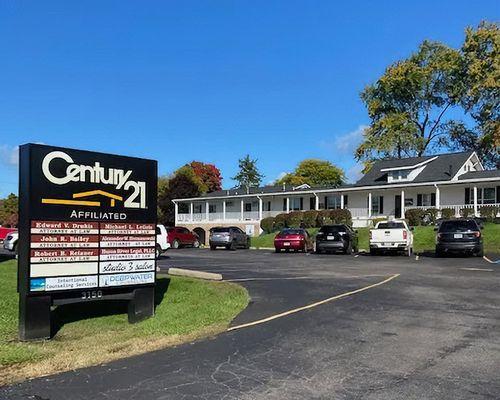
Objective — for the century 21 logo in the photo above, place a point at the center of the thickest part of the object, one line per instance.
(118, 178)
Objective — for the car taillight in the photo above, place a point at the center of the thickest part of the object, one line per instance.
(439, 236)
(477, 234)
(405, 235)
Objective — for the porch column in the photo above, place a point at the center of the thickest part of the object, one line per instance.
(176, 211)
(242, 206)
(316, 202)
(260, 209)
(223, 210)
(342, 201)
(287, 205)
(402, 204)
(191, 210)
(476, 212)
(438, 198)
(369, 204)
(207, 208)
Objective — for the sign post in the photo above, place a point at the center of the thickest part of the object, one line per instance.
(87, 232)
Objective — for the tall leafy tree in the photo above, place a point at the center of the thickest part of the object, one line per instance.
(425, 102)
(248, 175)
(314, 173)
(209, 174)
(181, 185)
(9, 210)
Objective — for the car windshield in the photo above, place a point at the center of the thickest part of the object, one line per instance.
(292, 232)
(332, 229)
(219, 230)
(391, 225)
(451, 226)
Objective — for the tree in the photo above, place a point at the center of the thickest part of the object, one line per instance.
(417, 106)
(181, 185)
(248, 175)
(209, 174)
(314, 173)
(9, 210)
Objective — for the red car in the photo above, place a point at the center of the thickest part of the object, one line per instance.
(179, 236)
(4, 232)
(293, 239)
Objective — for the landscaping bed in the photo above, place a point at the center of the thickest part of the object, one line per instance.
(89, 333)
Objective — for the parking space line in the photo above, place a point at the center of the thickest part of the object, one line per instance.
(299, 278)
(309, 306)
(477, 269)
(491, 261)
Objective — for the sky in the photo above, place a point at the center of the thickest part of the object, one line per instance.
(178, 81)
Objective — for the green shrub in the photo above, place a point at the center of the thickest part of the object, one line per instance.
(341, 216)
(280, 221)
(467, 212)
(324, 217)
(267, 224)
(489, 213)
(294, 219)
(310, 219)
(415, 216)
(432, 214)
(375, 221)
(447, 213)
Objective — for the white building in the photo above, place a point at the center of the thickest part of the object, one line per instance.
(455, 181)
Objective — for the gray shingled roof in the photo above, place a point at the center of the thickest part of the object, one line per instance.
(443, 168)
(490, 173)
(263, 190)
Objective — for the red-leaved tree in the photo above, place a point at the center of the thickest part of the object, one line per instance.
(209, 174)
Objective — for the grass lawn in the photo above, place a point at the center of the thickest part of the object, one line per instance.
(89, 334)
(424, 238)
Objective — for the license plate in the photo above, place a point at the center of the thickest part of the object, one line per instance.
(286, 244)
(458, 236)
(330, 238)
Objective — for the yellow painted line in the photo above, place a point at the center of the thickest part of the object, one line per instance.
(72, 202)
(95, 192)
(307, 307)
(477, 269)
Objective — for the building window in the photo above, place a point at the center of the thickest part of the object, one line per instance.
(248, 207)
(377, 205)
(267, 206)
(212, 208)
(332, 202)
(197, 208)
(297, 203)
(229, 203)
(484, 195)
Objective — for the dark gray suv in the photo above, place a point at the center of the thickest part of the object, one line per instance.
(229, 237)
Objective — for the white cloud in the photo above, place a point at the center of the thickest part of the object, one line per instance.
(347, 142)
(280, 175)
(9, 155)
(354, 173)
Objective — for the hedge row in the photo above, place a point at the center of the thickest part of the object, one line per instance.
(306, 219)
(418, 217)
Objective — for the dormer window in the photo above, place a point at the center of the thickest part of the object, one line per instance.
(398, 175)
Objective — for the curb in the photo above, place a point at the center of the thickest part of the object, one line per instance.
(194, 274)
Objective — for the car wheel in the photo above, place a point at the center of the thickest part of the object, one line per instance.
(213, 247)
(196, 244)
(232, 246)
(438, 253)
(176, 244)
(248, 244)
(157, 251)
(348, 249)
(373, 252)
(277, 250)
(409, 251)
(480, 253)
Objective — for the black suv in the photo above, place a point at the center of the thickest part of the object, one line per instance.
(336, 238)
(460, 236)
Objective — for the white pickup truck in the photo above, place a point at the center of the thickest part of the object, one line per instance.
(392, 235)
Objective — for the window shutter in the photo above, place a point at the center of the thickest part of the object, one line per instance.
(498, 194)
(433, 199)
(381, 204)
(346, 198)
(419, 199)
(284, 204)
(301, 203)
(326, 202)
(312, 203)
(467, 195)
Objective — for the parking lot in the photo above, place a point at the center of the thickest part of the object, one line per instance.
(320, 327)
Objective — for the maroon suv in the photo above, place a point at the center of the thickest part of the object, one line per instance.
(179, 236)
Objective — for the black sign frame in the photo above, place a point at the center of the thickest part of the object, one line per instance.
(67, 185)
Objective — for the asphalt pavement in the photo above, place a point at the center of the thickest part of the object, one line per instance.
(410, 329)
